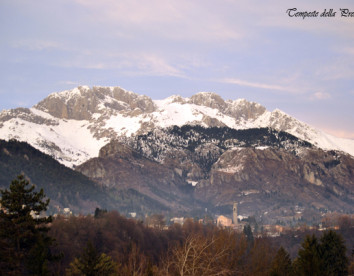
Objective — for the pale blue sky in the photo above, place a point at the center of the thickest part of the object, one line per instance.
(238, 49)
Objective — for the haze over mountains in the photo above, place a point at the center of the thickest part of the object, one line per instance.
(186, 154)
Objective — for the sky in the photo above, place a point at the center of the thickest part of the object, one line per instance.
(256, 50)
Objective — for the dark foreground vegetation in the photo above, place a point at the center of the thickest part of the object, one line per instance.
(64, 186)
(107, 243)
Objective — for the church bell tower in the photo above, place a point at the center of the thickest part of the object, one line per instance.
(234, 214)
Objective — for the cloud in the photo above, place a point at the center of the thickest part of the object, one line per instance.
(256, 84)
(180, 20)
(133, 11)
(339, 68)
(320, 96)
(22, 104)
(68, 82)
(150, 64)
(348, 50)
(36, 45)
(133, 63)
(156, 65)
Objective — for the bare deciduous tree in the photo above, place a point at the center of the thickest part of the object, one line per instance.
(200, 255)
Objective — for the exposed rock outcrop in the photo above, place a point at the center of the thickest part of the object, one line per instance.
(82, 102)
(263, 170)
(119, 167)
(100, 114)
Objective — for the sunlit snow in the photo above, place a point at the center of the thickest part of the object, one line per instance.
(72, 142)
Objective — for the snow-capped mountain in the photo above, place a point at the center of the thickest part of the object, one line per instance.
(73, 125)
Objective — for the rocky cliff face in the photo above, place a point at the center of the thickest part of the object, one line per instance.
(25, 114)
(82, 102)
(119, 167)
(266, 179)
(270, 174)
(73, 125)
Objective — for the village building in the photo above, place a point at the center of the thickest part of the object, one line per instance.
(223, 221)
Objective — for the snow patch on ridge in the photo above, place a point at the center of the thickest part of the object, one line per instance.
(69, 94)
(42, 114)
(329, 142)
(171, 113)
(124, 125)
(72, 142)
(175, 114)
(231, 169)
(193, 183)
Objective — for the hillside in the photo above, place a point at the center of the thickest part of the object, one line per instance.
(65, 187)
(272, 175)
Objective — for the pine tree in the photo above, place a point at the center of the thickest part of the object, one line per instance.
(351, 264)
(99, 212)
(247, 230)
(334, 259)
(309, 259)
(91, 263)
(281, 265)
(23, 234)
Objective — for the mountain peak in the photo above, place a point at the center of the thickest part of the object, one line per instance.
(208, 99)
(82, 102)
(172, 99)
(69, 94)
(279, 112)
(74, 124)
